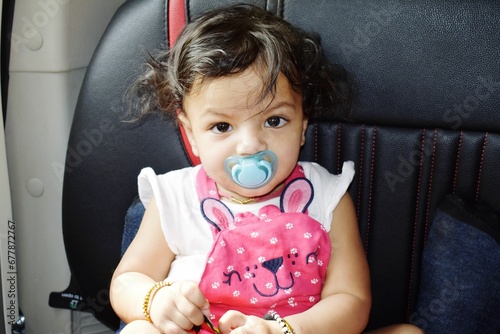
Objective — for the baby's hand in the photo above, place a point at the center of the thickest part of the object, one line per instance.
(235, 322)
(176, 308)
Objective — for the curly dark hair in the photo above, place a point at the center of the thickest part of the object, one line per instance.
(226, 42)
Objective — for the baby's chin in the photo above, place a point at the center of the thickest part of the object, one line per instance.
(233, 189)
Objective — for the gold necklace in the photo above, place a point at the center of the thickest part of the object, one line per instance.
(275, 192)
(241, 201)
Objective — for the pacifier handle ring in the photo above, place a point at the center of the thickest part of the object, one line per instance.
(235, 169)
(267, 165)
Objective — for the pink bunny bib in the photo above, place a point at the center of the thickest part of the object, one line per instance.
(275, 261)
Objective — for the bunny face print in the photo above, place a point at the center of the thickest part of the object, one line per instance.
(274, 261)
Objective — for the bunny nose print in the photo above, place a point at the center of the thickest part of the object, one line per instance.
(252, 171)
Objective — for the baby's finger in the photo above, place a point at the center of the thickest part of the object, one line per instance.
(187, 313)
(177, 323)
(231, 320)
(190, 303)
(172, 309)
(193, 293)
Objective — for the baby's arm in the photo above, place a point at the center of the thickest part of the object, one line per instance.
(345, 298)
(147, 260)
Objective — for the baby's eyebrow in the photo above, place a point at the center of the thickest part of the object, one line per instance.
(215, 113)
(280, 105)
(227, 112)
(274, 106)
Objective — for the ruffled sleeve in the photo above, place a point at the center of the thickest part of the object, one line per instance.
(146, 182)
(328, 189)
(178, 207)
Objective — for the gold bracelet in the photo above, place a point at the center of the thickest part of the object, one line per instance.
(290, 329)
(285, 326)
(149, 297)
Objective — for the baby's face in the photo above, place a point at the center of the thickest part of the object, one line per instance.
(224, 117)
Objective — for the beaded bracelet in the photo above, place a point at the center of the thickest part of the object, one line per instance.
(285, 326)
(149, 297)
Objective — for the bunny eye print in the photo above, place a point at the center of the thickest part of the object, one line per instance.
(280, 267)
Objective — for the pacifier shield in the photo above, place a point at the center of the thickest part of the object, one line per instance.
(253, 171)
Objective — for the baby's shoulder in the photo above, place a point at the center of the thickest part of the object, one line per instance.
(174, 175)
(313, 169)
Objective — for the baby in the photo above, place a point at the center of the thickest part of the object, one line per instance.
(251, 240)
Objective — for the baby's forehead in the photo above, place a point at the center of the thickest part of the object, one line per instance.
(239, 92)
(252, 83)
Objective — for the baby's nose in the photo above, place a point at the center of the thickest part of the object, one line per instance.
(250, 142)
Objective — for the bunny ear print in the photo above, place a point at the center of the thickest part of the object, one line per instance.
(297, 196)
(216, 213)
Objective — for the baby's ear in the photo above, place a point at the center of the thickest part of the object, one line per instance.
(186, 125)
(297, 196)
(183, 119)
(217, 213)
(304, 129)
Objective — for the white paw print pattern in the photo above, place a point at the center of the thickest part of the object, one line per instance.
(269, 285)
(223, 243)
(294, 251)
(210, 260)
(248, 275)
(273, 241)
(212, 192)
(240, 250)
(215, 285)
(320, 263)
(291, 302)
(314, 281)
(262, 259)
(312, 299)
(254, 234)
(296, 274)
(307, 235)
(288, 291)
(253, 300)
(230, 268)
(289, 226)
(236, 293)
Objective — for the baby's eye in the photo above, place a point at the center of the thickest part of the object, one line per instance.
(275, 122)
(221, 128)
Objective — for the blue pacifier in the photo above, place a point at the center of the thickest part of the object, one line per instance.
(253, 171)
